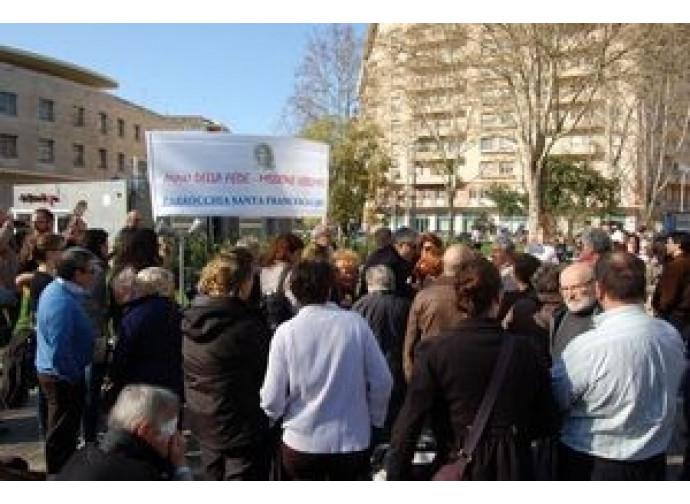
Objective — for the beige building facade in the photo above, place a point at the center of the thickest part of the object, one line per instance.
(450, 129)
(60, 123)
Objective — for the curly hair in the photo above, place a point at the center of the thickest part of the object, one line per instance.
(226, 272)
(477, 287)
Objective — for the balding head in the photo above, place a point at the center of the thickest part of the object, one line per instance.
(455, 256)
(577, 287)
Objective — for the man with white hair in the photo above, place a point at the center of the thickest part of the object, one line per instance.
(580, 299)
(143, 442)
(387, 314)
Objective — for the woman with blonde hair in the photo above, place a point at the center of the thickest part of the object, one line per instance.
(225, 353)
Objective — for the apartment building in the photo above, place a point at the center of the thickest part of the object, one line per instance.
(450, 129)
(60, 123)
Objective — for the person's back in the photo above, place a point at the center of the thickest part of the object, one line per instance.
(387, 315)
(149, 349)
(618, 383)
(450, 380)
(434, 309)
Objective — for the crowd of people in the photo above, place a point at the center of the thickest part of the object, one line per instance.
(299, 359)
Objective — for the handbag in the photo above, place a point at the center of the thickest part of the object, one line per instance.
(455, 471)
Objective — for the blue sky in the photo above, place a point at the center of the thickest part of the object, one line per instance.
(238, 74)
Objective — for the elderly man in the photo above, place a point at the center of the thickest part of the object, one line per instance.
(387, 314)
(433, 309)
(595, 242)
(65, 343)
(617, 383)
(143, 442)
(579, 296)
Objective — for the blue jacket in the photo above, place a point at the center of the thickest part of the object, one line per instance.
(65, 334)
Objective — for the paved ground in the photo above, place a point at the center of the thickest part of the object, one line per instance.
(19, 437)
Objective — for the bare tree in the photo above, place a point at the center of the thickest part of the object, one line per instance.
(326, 79)
(662, 109)
(553, 75)
(435, 58)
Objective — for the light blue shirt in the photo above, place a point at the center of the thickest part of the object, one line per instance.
(328, 379)
(618, 383)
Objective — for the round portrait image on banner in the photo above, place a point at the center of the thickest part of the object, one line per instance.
(263, 154)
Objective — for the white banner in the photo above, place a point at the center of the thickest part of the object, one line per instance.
(194, 173)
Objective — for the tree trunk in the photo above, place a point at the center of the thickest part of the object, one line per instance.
(534, 212)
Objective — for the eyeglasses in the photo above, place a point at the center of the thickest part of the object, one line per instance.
(568, 288)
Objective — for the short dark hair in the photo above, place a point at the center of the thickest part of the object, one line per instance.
(477, 286)
(94, 239)
(72, 260)
(524, 266)
(312, 281)
(622, 275)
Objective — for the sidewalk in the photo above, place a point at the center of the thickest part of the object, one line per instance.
(19, 438)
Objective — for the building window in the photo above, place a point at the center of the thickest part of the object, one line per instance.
(103, 122)
(120, 162)
(8, 146)
(78, 116)
(505, 169)
(46, 109)
(103, 159)
(486, 144)
(137, 132)
(46, 150)
(78, 153)
(8, 103)
(121, 128)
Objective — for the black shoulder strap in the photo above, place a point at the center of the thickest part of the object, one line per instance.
(281, 279)
(489, 399)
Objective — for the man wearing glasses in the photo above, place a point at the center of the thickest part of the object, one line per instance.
(579, 296)
(65, 343)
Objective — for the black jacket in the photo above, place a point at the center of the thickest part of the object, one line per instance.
(122, 457)
(149, 349)
(449, 382)
(387, 315)
(225, 355)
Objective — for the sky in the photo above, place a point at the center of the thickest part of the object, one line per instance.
(240, 75)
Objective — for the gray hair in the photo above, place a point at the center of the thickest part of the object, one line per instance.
(596, 240)
(155, 281)
(379, 278)
(143, 403)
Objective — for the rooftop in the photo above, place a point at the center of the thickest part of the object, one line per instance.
(56, 68)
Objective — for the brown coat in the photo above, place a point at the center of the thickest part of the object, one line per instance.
(671, 299)
(433, 311)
